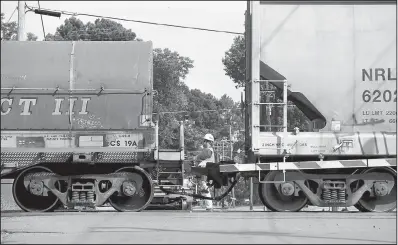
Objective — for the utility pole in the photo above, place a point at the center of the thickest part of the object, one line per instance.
(231, 155)
(251, 194)
(21, 21)
(230, 141)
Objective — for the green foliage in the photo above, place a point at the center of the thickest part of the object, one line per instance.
(31, 37)
(169, 68)
(9, 31)
(74, 29)
(235, 61)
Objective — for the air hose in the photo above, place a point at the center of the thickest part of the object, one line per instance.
(217, 198)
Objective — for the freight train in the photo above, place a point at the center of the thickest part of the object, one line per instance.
(77, 125)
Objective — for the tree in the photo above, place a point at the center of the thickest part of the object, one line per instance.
(235, 61)
(169, 69)
(31, 37)
(9, 31)
(74, 29)
(226, 102)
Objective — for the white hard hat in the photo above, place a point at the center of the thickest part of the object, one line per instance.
(209, 137)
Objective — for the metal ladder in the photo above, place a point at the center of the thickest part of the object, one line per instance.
(160, 170)
(284, 104)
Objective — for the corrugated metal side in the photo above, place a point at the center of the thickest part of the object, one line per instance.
(324, 52)
(124, 66)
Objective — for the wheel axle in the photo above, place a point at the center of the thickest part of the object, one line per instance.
(129, 188)
(380, 189)
(287, 189)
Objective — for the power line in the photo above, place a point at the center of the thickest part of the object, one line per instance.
(140, 21)
(42, 23)
(12, 14)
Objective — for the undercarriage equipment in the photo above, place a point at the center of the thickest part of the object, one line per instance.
(39, 189)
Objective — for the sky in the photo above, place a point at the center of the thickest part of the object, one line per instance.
(206, 49)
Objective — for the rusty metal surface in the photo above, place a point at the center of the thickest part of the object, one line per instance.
(107, 68)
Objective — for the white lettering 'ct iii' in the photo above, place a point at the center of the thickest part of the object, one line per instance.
(26, 105)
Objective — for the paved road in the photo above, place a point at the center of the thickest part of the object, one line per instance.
(199, 227)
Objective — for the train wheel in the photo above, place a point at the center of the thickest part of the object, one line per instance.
(379, 203)
(30, 202)
(261, 196)
(129, 199)
(277, 202)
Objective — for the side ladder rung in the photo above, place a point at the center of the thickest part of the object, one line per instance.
(284, 104)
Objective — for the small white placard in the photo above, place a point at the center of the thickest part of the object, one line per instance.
(336, 126)
(96, 140)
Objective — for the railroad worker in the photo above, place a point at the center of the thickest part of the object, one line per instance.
(205, 156)
(207, 153)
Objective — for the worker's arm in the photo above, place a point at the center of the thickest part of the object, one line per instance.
(205, 154)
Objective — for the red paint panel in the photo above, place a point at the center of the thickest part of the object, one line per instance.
(108, 81)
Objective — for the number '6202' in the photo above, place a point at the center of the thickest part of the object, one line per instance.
(379, 96)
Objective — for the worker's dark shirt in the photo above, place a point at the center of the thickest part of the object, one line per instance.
(205, 154)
